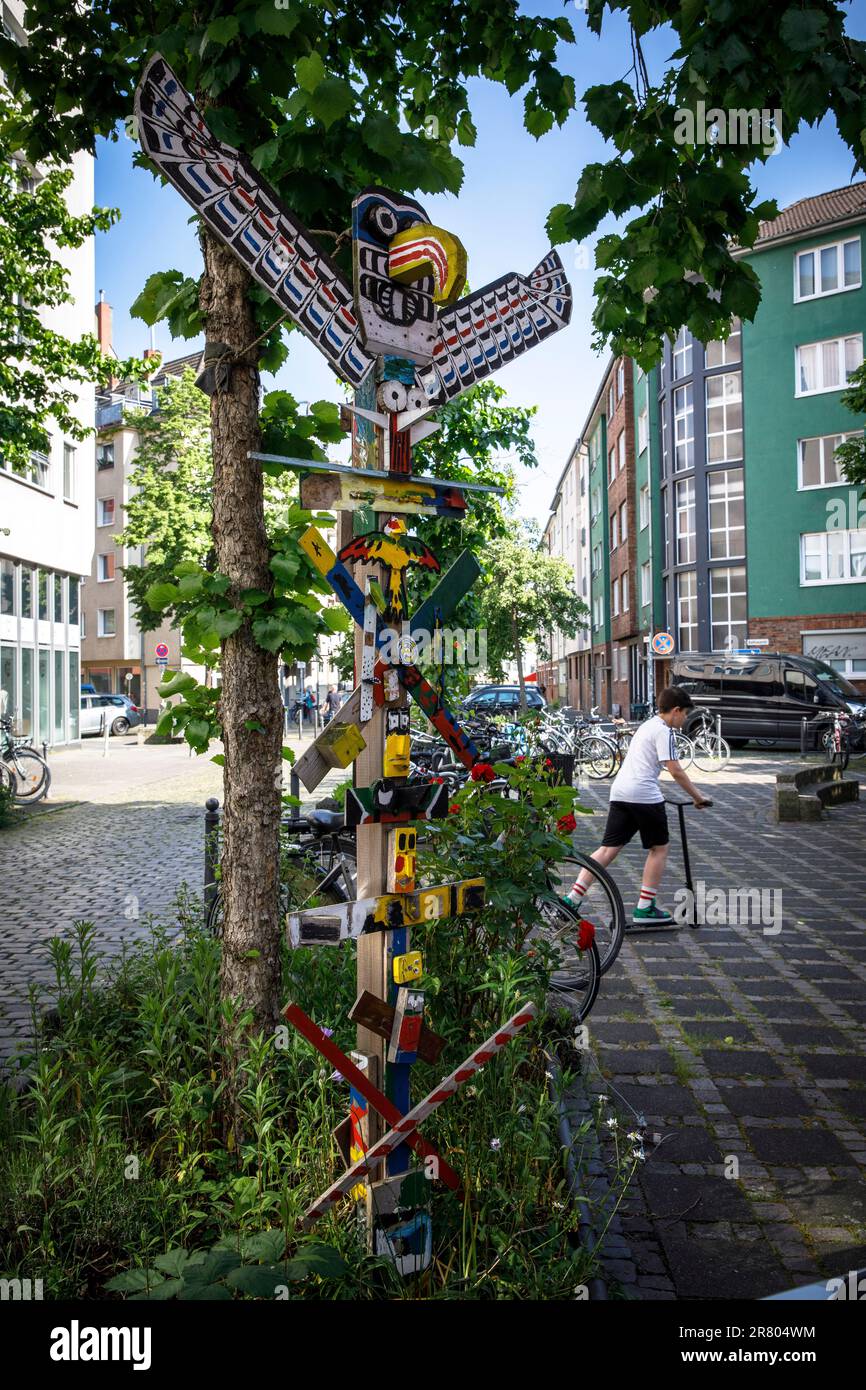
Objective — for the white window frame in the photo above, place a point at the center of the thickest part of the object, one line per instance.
(644, 503)
(853, 672)
(105, 578)
(623, 584)
(741, 624)
(611, 403)
(722, 403)
(645, 584)
(614, 599)
(688, 440)
(100, 622)
(642, 430)
(727, 358)
(691, 577)
(614, 531)
(687, 487)
(623, 522)
(100, 504)
(69, 472)
(840, 344)
(620, 381)
(822, 537)
(725, 503)
(823, 440)
(841, 287)
(620, 452)
(682, 348)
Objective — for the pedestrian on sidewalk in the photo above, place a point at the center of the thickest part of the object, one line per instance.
(333, 701)
(638, 806)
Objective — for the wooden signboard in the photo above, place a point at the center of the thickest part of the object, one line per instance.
(382, 493)
(378, 1016)
(328, 926)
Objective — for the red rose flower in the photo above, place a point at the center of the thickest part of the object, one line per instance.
(521, 758)
(453, 810)
(548, 763)
(567, 823)
(585, 934)
(482, 772)
(436, 781)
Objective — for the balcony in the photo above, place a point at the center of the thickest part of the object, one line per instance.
(113, 406)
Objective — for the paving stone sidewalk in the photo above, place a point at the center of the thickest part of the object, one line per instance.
(743, 1055)
(116, 861)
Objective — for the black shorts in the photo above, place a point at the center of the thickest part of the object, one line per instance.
(626, 818)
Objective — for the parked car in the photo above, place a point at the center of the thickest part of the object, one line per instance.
(501, 699)
(764, 696)
(121, 712)
(88, 689)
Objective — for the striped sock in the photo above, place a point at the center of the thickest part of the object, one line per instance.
(578, 891)
(647, 897)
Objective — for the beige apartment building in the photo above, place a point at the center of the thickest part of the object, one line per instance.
(116, 656)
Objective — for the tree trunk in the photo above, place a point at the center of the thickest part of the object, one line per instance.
(249, 706)
(518, 656)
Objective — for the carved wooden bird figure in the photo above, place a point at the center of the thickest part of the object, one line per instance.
(396, 550)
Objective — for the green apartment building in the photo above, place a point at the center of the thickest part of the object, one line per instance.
(806, 529)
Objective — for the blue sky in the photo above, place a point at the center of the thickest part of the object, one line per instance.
(511, 182)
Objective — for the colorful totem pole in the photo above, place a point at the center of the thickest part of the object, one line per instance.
(405, 340)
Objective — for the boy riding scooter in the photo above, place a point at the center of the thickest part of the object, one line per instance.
(638, 806)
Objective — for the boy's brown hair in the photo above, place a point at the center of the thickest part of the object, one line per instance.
(673, 697)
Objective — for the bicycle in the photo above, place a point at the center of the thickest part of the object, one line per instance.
(30, 771)
(836, 740)
(707, 749)
(320, 865)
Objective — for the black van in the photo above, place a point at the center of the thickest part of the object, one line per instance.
(764, 696)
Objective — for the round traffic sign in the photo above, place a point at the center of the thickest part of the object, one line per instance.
(662, 644)
(162, 649)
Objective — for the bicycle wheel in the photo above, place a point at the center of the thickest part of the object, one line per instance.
(597, 756)
(603, 905)
(711, 754)
(334, 861)
(575, 971)
(31, 774)
(685, 749)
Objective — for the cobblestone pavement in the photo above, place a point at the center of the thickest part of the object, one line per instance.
(743, 1053)
(115, 859)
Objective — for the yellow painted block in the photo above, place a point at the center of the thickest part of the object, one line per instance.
(407, 968)
(396, 760)
(340, 744)
(470, 895)
(317, 550)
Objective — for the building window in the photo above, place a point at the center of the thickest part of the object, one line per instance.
(40, 470)
(105, 511)
(81, 625)
(614, 591)
(728, 350)
(645, 584)
(73, 600)
(611, 463)
(623, 521)
(105, 622)
(642, 430)
(827, 270)
(26, 592)
(624, 589)
(595, 503)
(827, 366)
(596, 612)
(644, 502)
(666, 533)
(43, 596)
(620, 381)
(68, 473)
(104, 456)
(663, 424)
(844, 650)
(728, 597)
(686, 522)
(833, 557)
(614, 531)
(687, 611)
(620, 448)
(58, 598)
(684, 428)
(7, 587)
(682, 355)
(724, 417)
(816, 460)
(726, 506)
(596, 559)
(610, 401)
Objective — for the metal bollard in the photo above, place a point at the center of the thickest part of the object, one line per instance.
(211, 852)
(804, 724)
(106, 733)
(295, 790)
(719, 729)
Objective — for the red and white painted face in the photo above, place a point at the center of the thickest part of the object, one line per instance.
(395, 527)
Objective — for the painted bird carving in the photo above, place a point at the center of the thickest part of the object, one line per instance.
(396, 550)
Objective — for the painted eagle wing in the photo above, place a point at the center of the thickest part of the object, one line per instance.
(361, 547)
(492, 326)
(421, 553)
(242, 209)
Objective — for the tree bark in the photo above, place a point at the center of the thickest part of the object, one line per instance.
(249, 707)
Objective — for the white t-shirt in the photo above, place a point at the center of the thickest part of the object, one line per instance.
(638, 778)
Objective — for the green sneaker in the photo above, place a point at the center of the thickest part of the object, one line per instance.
(651, 916)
